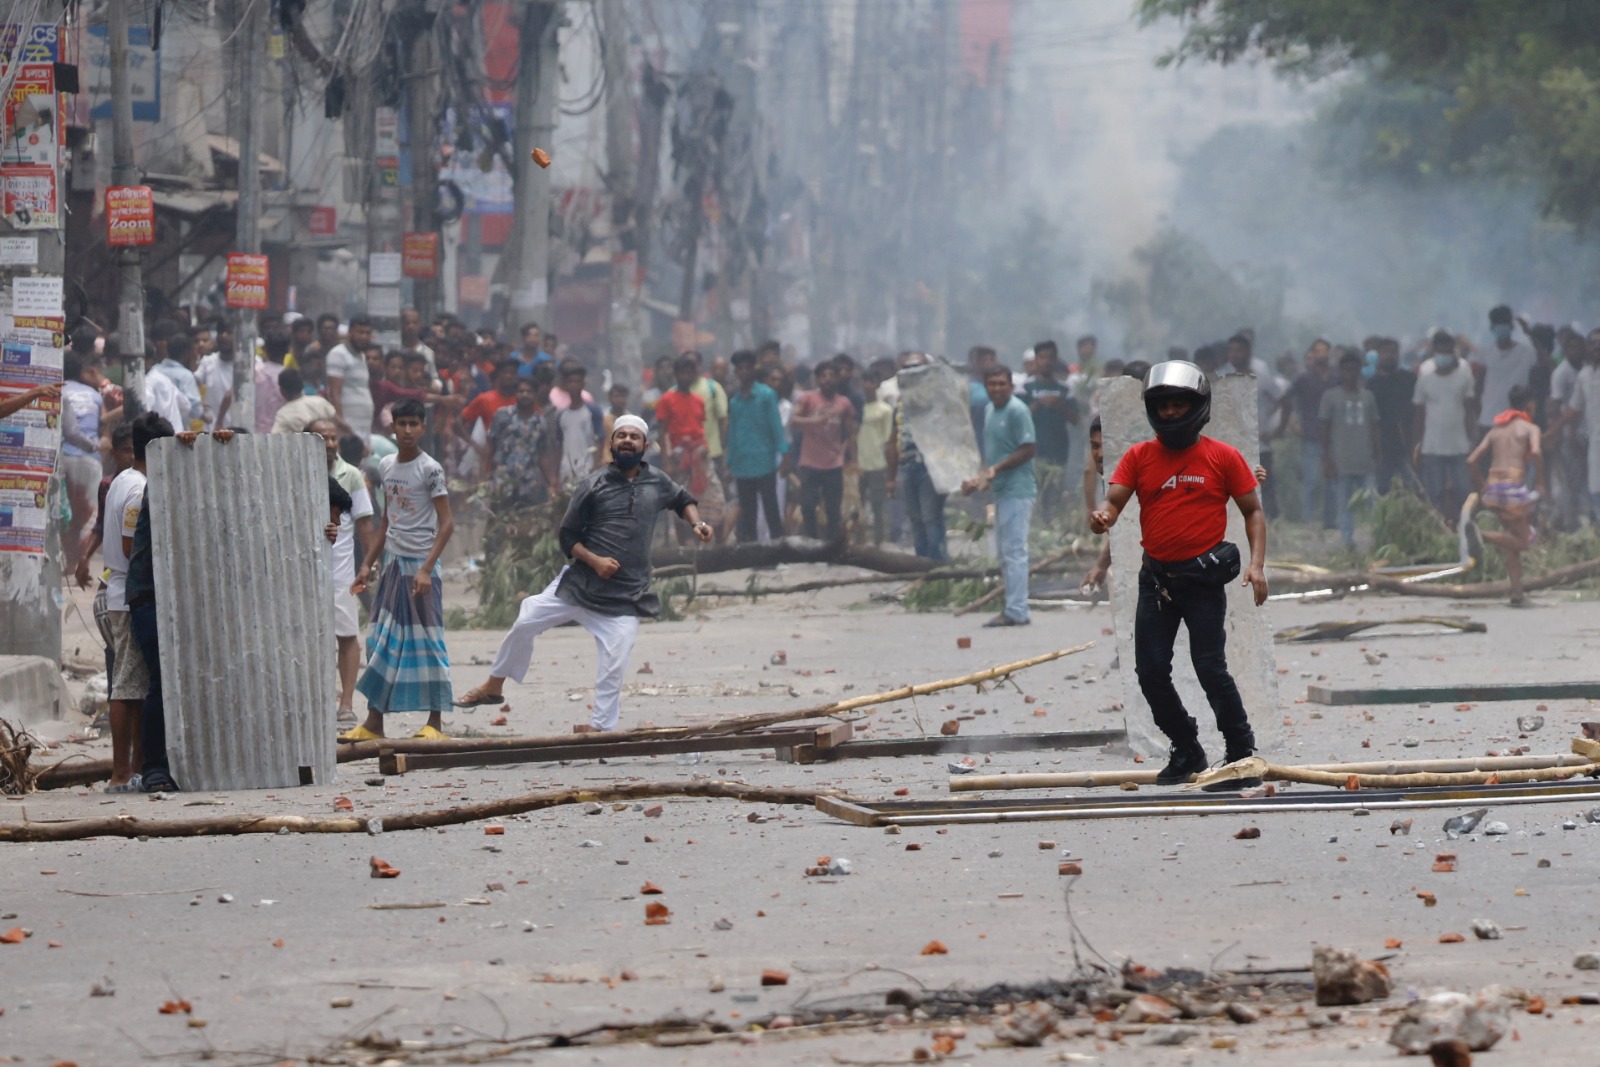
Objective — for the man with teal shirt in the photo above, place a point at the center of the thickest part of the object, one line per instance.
(756, 442)
(1008, 445)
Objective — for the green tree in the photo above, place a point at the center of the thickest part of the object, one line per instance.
(1517, 72)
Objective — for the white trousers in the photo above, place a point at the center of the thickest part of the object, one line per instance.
(614, 636)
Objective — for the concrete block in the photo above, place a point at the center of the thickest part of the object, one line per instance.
(1250, 650)
(31, 691)
(933, 402)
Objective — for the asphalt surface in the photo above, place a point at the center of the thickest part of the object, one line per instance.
(541, 930)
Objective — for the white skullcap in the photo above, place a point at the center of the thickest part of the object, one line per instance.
(631, 422)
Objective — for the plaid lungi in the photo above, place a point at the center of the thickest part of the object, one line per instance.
(408, 668)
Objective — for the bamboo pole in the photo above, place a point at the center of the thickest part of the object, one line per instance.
(1256, 767)
(969, 783)
(1236, 807)
(132, 826)
(772, 718)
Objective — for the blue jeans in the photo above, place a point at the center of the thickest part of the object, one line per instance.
(1203, 609)
(1011, 518)
(1316, 494)
(925, 509)
(1344, 487)
(153, 717)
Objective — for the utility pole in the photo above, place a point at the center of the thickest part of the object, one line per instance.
(536, 125)
(627, 358)
(30, 581)
(130, 258)
(421, 89)
(250, 35)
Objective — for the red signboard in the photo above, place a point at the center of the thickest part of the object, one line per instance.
(130, 216)
(419, 255)
(324, 222)
(247, 281)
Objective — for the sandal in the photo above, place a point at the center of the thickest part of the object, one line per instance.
(160, 782)
(346, 717)
(430, 733)
(132, 785)
(360, 733)
(477, 698)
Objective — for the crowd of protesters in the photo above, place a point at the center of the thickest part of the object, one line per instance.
(768, 444)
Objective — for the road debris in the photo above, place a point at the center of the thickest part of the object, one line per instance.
(1027, 1025)
(1477, 1021)
(1342, 977)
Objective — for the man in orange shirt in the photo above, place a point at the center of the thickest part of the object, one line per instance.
(483, 407)
(1184, 482)
(681, 420)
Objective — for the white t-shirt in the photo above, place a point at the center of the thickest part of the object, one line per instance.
(215, 378)
(343, 568)
(1270, 389)
(124, 499)
(1443, 399)
(1501, 371)
(163, 398)
(1586, 398)
(355, 397)
(409, 490)
(1562, 381)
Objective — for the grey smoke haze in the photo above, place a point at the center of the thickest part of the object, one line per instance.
(1114, 148)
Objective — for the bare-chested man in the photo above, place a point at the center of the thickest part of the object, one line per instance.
(1512, 445)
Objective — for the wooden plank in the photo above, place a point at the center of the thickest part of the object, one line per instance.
(939, 746)
(500, 756)
(1182, 802)
(1456, 694)
(977, 783)
(849, 811)
(834, 734)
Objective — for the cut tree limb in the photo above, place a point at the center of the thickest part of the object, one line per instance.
(791, 550)
(991, 595)
(1577, 572)
(223, 825)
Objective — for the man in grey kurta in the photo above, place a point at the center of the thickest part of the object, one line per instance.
(606, 587)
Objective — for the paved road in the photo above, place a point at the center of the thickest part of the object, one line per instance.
(300, 934)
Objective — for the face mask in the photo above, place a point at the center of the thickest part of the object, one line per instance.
(1502, 331)
(1444, 363)
(627, 460)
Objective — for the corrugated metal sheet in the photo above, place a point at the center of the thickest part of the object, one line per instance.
(245, 610)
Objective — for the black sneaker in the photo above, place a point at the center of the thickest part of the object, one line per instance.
(1230, 785)
(1186, 760)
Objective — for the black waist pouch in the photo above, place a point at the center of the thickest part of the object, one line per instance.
(1217, 565)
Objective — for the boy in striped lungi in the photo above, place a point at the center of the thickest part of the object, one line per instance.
(408, 668)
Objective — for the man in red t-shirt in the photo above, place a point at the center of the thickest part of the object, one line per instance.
(681, 421)
(1184, 482)
(482, 409)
